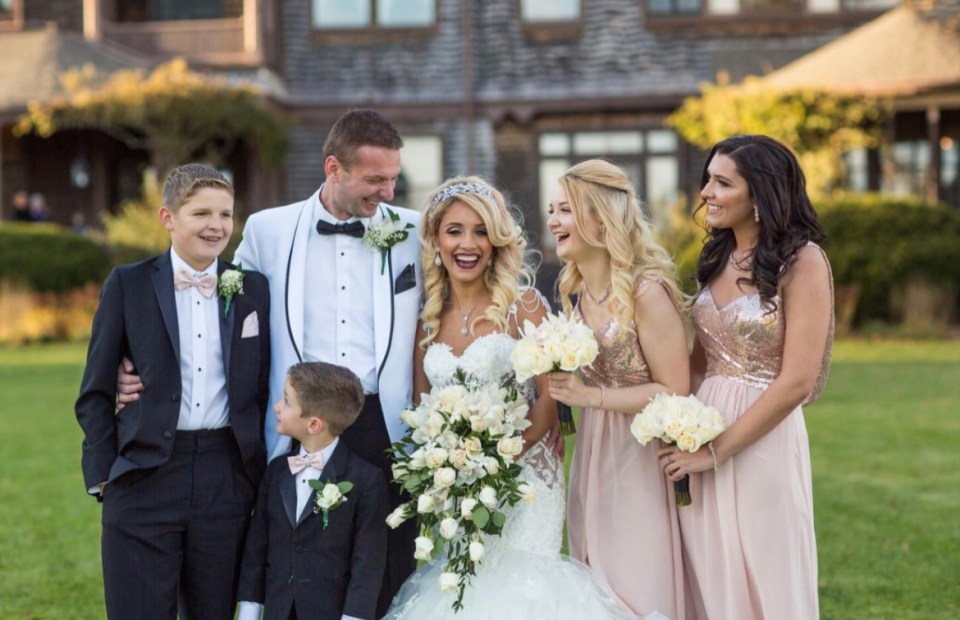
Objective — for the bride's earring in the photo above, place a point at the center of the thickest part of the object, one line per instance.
(436, 257)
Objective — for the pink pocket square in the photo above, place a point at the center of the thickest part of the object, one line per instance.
(251, 327)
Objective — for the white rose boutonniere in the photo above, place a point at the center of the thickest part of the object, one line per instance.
(230, 284)
(388, 233)
(329, 496)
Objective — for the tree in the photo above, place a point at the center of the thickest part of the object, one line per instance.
(176, 114)
(819, 126)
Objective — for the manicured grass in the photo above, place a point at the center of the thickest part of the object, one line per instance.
(886, 455)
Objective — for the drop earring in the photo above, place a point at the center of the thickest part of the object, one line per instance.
(756, 214)
(436, 257)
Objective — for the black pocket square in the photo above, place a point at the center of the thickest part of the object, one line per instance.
(406, 280)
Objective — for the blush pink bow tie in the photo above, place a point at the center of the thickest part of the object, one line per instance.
(206, 284)
(299, 463)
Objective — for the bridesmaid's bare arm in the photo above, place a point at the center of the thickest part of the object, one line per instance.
(421, 384)
(807, 309)
(663, 340)
(543, 412)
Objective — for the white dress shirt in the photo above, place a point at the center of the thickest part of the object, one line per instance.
(203, 403)
(253, 611)
(338, 320)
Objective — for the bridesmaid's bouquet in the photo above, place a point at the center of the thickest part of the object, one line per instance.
(557, 343)
(680, 420)
(457, 461)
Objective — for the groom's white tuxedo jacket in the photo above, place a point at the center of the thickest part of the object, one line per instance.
(275, 244)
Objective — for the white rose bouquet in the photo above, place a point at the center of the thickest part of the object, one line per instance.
(457, 461)
(557, 343)
(680, 420)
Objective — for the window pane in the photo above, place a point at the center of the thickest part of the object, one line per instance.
(661, 141)
(823, 6)
(341, 13)
(688, 6)
(856, 164)
(405, 13)
(6, 8)
(549, 10)
(550, 171)
(869, 5)
(607, 142)
(773, 6)
(723, 7)
(422, 165)
(554, 144)
(663, 181)
(659, 6)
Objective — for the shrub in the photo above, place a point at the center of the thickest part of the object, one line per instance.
(49, 258)
(882, 243)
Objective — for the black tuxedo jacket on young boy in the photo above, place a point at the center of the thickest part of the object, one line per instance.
(292, 559)
(137, 318)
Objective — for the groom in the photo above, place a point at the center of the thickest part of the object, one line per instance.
(337, 299)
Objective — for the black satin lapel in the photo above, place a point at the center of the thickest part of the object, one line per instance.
(163, 287)
(288, 493)
(226, 323)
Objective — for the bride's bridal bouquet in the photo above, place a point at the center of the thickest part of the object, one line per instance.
(557, 343)
(457, 461)
(680, 420)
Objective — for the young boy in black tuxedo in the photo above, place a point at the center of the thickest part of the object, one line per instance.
(315, 555)
(177, 470)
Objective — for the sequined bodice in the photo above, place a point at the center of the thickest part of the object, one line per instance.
(743, 340)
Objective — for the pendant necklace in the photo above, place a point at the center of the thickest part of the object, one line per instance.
(603, 297)
(744, 263)
(464, 317)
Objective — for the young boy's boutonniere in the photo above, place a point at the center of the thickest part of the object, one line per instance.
(231, 283)
(329, 497)
(388, 233)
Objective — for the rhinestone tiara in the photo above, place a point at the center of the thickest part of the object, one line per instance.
(461, 188)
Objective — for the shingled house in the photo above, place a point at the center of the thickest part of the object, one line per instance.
(515, 90)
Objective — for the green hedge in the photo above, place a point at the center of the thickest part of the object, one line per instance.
(881, 242)
(49, 257)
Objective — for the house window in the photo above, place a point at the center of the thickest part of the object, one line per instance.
(649, 157)
(170, 10)
(549, 11)
(908, 162)
(421, 166)
(358, 14)
(660, 8)
(6, 9)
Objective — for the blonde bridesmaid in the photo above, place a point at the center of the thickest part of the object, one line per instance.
(621, 516)
(764, 330)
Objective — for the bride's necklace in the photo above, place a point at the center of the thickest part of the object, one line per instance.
(603, 297)
(465, 316)
(744, 263)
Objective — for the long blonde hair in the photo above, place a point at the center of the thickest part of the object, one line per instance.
(508, 272)
(605, 191)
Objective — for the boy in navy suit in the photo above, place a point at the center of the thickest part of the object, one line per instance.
(306, 558)
(177, 470)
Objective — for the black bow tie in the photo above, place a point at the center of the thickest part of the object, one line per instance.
(354, 228)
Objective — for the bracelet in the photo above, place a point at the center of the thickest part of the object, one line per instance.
(713, 453)
(601, 397)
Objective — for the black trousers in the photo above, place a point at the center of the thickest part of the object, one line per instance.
(173, 536)
(368, 438)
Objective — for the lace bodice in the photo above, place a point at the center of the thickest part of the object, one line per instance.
(536, 527)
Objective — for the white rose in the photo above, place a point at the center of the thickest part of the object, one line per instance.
(397, 517)
(436, 458)
(476, 551)
(410, 418)
(509, 447)
(526, 492)
(478, 424)
(466, 508)
(448, 440)
(444, 477)
(688, 442)
(329, 496)
(448, 582)
(458, 458)
(448, 528)
(473, 446)
(399, 470)
(424, 548)
(425, 503)
(488, 497)
(492, 465)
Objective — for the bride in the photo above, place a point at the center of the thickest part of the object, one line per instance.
(476, 295)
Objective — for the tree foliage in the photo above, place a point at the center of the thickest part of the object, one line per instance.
(819, 126)
(178, 115)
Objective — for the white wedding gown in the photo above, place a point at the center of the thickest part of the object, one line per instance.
(522, 575)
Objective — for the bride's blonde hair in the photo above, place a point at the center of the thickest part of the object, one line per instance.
(507, 272)
(605, 191)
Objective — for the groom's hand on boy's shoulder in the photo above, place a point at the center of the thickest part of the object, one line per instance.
(406, 280)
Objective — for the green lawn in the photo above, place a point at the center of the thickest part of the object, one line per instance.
(886, 455)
